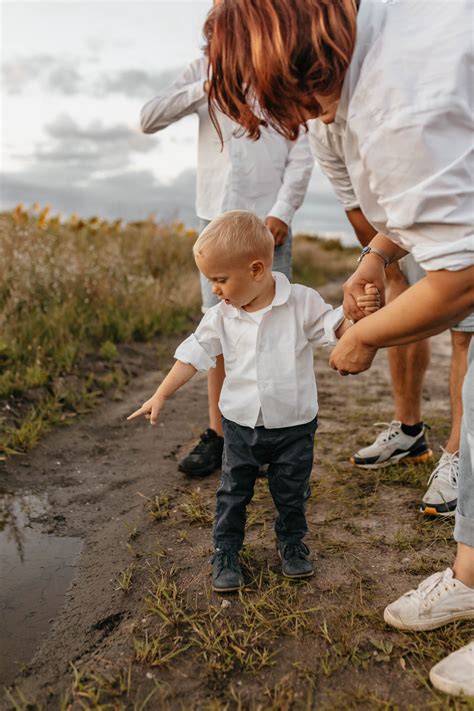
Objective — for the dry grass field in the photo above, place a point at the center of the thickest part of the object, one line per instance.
(90, 311)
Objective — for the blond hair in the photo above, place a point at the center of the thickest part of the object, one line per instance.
(237, 234)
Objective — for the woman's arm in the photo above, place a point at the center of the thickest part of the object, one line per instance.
(432, 305)
(371, 270)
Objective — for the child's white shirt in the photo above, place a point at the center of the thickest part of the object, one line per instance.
(269, 364)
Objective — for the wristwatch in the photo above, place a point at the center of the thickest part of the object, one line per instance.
(367, 250)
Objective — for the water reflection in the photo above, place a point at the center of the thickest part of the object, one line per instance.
(35, 571)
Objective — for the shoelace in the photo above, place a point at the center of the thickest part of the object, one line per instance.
(449, 462)
(296, 550)
(393, 428)
(428, 586)
(204, 439)
(226, 559)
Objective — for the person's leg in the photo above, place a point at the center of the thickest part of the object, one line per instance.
(460, 346)
(292, 451)
(464, 527)
(215, 381)
(408, 363)
(441, 496)
(448, 596)
(282, 257)
(239, 471)
(206, 456)
(404, 439)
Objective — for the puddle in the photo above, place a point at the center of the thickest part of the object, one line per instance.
(35, 572)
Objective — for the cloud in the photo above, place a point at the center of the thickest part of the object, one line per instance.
(19, 73)
(64, 77)
(81, 151)
(132, 195)
(136, 82)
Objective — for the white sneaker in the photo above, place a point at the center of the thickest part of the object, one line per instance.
(455, 673)
(391, 446)
(441, 496)
(437, 600)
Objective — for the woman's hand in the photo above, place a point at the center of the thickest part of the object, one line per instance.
(370, 271)
(351, 355)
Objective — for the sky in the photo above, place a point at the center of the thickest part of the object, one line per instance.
(74, 76)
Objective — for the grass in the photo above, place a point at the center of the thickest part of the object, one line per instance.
(74, 290)
(71, 292)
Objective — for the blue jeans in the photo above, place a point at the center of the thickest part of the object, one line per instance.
(464, 528)
(281, 263)
(289, 452)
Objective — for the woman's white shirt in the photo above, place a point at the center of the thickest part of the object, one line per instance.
(404, 128)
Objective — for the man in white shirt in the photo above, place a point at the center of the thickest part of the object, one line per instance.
(269, 177)
(265, 328)
(404, 437)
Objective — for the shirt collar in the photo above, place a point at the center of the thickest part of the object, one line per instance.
(282, 294)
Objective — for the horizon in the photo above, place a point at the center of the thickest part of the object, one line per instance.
(84, 79)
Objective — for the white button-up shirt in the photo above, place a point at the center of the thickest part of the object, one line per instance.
(269, 373)
(403, 129)
(268, 177)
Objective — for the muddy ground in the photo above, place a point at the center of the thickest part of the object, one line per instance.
(139, 626)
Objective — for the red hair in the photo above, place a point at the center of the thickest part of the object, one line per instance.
(279, 53)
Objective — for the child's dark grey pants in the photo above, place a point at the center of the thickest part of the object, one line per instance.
(289, 453)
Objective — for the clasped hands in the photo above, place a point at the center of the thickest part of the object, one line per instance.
(354, 352)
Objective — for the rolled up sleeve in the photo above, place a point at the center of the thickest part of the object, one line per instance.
(320, 319)
(420, 169)
(327, 150)
(201, 347)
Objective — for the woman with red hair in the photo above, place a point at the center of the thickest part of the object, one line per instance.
(395, 76)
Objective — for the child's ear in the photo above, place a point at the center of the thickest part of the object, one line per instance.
(257, 268)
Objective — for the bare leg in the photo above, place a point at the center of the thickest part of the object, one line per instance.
(408, 363)
(463, 567)
(460, 341)
(215, 380)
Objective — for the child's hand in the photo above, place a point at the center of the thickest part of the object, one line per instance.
(371, 300)
(151, 409)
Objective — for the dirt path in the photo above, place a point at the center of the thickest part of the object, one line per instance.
(143, 578)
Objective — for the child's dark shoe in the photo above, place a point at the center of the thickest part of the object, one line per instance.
(226, 571)
(295, 560)
(206, 456)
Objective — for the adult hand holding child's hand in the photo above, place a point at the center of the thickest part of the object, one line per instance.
(370, 272)
(351, 356)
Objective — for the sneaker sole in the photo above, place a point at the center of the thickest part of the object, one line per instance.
(422, 626)
(431, 511)
(301, 575)
(226, 590)
(297, 577)
(399, 459)
(449, 687)
(198, 473)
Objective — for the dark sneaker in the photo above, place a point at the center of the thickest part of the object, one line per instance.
(226, 571)
(391, 446)
(295, 561)
(206, 456)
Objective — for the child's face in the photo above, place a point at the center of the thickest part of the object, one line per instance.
(236, 282)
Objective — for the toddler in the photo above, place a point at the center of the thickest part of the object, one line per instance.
(265, 328)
